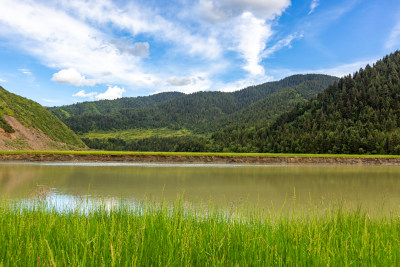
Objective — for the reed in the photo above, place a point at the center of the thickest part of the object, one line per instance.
(154, 234)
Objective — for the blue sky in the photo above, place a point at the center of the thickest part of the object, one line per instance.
(68, 51)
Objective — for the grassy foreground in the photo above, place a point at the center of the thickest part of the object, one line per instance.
(161, 235)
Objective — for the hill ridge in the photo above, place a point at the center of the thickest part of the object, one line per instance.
(26, 125)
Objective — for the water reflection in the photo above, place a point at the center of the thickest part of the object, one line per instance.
(375, 188)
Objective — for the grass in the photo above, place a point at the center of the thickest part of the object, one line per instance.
(96, 152)
(138, 133)
(176, 235)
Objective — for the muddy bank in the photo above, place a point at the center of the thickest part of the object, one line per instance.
(37, 157)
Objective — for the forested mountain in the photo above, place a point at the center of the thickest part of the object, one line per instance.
(200, 112)
(265, 110)
(358, 114)
(25, 124)
(109, 106)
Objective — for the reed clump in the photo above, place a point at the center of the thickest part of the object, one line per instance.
(151, 234)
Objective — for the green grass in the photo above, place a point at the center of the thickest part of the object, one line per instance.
(138, 133)
(176, 235)
(96, 152)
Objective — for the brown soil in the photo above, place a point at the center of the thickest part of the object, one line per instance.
(197, 159)
(25, 138)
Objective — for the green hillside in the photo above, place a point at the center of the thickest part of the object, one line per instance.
(34, 116)
(269, 108)
(196, 115)
(359, 114)
(110, 106)
(201, 112)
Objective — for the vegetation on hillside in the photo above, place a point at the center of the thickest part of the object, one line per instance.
(33, 115)
(110, 106)
(201, 113)
(359, 114)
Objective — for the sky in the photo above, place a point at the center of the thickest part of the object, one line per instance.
(68, 51)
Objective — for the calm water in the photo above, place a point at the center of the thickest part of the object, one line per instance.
(376, 188)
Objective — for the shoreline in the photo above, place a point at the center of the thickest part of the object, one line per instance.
(37, 156)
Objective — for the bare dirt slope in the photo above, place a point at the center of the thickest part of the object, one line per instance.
(25, 138)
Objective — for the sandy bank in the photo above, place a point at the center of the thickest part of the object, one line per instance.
(37, 157)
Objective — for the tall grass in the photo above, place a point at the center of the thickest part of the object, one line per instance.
(175, 235)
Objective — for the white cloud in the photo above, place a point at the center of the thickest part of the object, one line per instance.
(253, 34)
(285, 42)
(82, 94)
(73, 77)
(111, 93)
(246, 25)
(61, 41)
(139, 19)
(314, 4)
(2, 80)
(241, 84)
(346, 69)
(25, 71)
(78, 37)
(393, 42)
(179, 81)
(338, 71)
(224, 9)
(197, 81)
(138, 49)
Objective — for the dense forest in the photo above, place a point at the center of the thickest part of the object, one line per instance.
(202, 113)
(358, 114)
(109, 106)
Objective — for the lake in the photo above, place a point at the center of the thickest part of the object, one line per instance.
(374, 188)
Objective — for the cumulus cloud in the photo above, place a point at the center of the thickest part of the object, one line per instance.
(61, 41)
(76, 37)
(73, 77)
(314, 4)
(179, 81)
(82, 94)
(111, 93)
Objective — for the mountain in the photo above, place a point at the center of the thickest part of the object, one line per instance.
(26, 125)
(201, 112)
(267, 109)
(109, 106)
(193, 117)
(358, 114)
